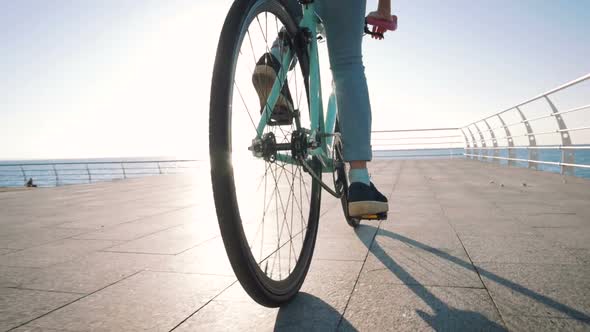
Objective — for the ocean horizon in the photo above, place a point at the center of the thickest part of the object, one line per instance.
(58, 172)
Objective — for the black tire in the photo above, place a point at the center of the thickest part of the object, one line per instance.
(255, 280)
(342, 180)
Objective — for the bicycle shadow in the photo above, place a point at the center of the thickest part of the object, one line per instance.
(307, 312)
(442, 311)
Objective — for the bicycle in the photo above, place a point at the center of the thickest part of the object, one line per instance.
(278, 162)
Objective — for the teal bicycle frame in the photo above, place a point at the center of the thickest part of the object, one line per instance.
(319, 127)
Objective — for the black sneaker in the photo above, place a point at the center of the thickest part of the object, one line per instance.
(365, 200)
(263, 78)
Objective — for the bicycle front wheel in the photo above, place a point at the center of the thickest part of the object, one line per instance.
(267, 208)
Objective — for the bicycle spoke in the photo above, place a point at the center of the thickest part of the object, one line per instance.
(263, 35)
(251, 45)
(274, 192)
(264, 215)
(245, 105)
(265, 205)
(281, 227)
(280, 230)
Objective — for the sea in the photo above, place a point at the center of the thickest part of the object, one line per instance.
(59, 172)
(582, 157)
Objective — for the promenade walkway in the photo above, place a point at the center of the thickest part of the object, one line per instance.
(468, 246)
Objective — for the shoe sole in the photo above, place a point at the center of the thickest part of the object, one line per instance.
(362, 208)
(263, 79)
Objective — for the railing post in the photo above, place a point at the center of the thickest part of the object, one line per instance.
(159, 168)
(483, 142)
(510, 140)
(494, 141)
(123, 168)
(467, 148)
(23, 171)
(56, 175)
(567, 156)
(474, 142)
(533, 153)
(89, 176)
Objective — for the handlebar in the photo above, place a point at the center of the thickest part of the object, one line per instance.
(380, 25)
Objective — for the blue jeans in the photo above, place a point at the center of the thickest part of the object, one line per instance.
(344, 22)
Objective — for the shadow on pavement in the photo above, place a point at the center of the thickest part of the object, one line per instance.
(471, 320)
(307, 312)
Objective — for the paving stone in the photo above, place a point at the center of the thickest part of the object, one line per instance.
(569, 237)
(27, 328)
(90, 273)
(405, 236)
(40, 217)
(496, 227)
(532, 323)
(535, 208)
(231, 316)
(475, 215)
(6, 251)
(415, 218)
(582, 255)
(305, 313)
(27, 238)
(331, 227)
(146, 301)
(329, 204)
(335, 248)
(18, 306)
(551, 290)
(332, 282)
(553, 220)
(415, 265)
(207, 258)
(318, 307)
(327, 279)
(378, 306)
(515, 249)
(53, 253)
(16, 276)
(174, 240)
(143, 227)
(100, 217)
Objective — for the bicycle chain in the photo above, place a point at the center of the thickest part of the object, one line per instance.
(315, 176)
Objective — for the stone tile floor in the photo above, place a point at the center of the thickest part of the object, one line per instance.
(468, 246)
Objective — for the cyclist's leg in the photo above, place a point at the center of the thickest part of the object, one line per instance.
(267, 69)
(344, 23)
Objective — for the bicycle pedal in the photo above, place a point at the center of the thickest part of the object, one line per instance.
(379, 216)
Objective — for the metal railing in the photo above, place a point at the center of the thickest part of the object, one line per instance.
(64, 173)
(418, 143)
(496, 133)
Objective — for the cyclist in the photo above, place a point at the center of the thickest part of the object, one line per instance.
(343, 21)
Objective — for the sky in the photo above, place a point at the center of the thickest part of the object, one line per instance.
(127, 78)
